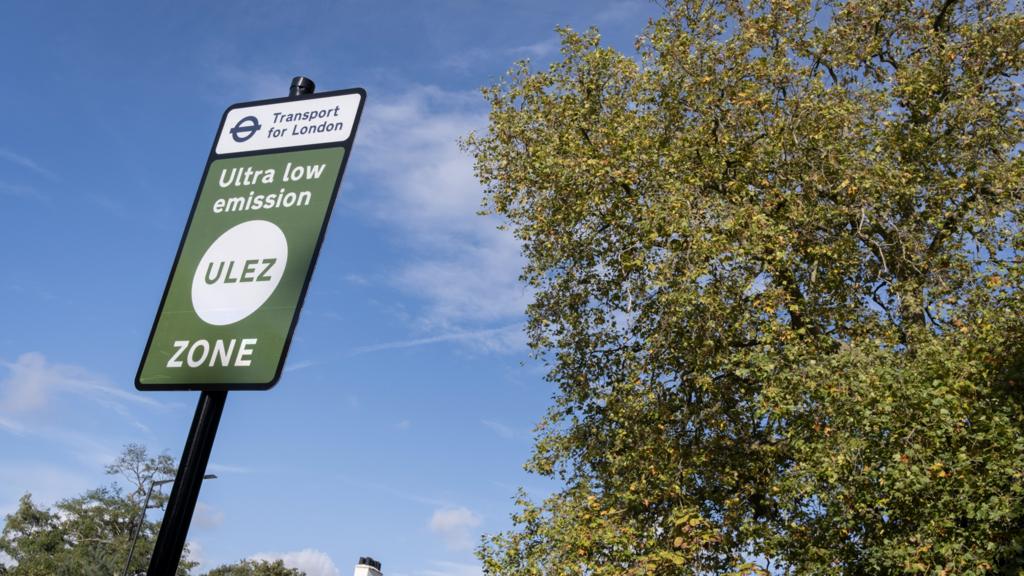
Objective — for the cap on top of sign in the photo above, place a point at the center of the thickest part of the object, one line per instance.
(288, 124)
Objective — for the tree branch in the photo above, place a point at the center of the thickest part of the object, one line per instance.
(941, 19)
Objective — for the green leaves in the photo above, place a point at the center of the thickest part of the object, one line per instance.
(255, 568)
(777, 261)
(89, 534)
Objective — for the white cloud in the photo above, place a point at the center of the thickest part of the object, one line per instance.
(296, 366)
(455, 526)
(506, 432)
(312, 562)
(28, 384)
(43, 400)
(459, 265)
(480, 283)
(18, 191)
(410, 144)
(32, 385)
(46, 483)
(90, 451)
(464, 60)
(28, 163)
(195, 553)
(357, 279)
(11, 426)
(622, 11)
(545, 47)
(490, 339)
(207, 516)
(241, 83)
(451, 569)
(219, 468)
(31, 381)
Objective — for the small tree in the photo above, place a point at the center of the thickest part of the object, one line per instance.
(256, 568)
(777, 257)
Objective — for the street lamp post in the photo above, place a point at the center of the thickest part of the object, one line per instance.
(142, 516)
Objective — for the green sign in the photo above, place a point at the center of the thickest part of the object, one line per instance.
(248, 251)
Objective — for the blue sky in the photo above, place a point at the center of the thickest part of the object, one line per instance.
(406, 409)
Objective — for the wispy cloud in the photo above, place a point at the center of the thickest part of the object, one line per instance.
(455, 526)
(541, 49)
(110, 205)
(460, 266)
(296, 366)
(241, 83)
(620, 11)
(501, 338)
(441, 568)
(32, 381)
(357, 280)
(28, 164)
(218, 468)
(312, 562)
(20, 191)
(11, 425)
(500, 429)
(480, 284)
(464, 60)
(46, 482)
(411, 144)
(396, 493)
(195, 552)
(32, 389)
(207, 516)
(92, 452)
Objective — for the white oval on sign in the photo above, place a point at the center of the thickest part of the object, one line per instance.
(239, 272)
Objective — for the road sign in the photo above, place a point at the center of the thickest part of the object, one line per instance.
(245, 260)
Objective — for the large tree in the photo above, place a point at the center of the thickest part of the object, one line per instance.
(89, 534)
(777, 263)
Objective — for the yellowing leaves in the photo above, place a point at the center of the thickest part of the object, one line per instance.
(816, 285)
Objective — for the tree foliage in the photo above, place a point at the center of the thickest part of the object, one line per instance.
(256, 568)
(88, 534)
(136, 466)
(777, 262)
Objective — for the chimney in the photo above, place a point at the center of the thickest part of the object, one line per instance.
(368, 567)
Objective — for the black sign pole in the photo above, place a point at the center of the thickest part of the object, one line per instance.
(185, 493)
(192, 467)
